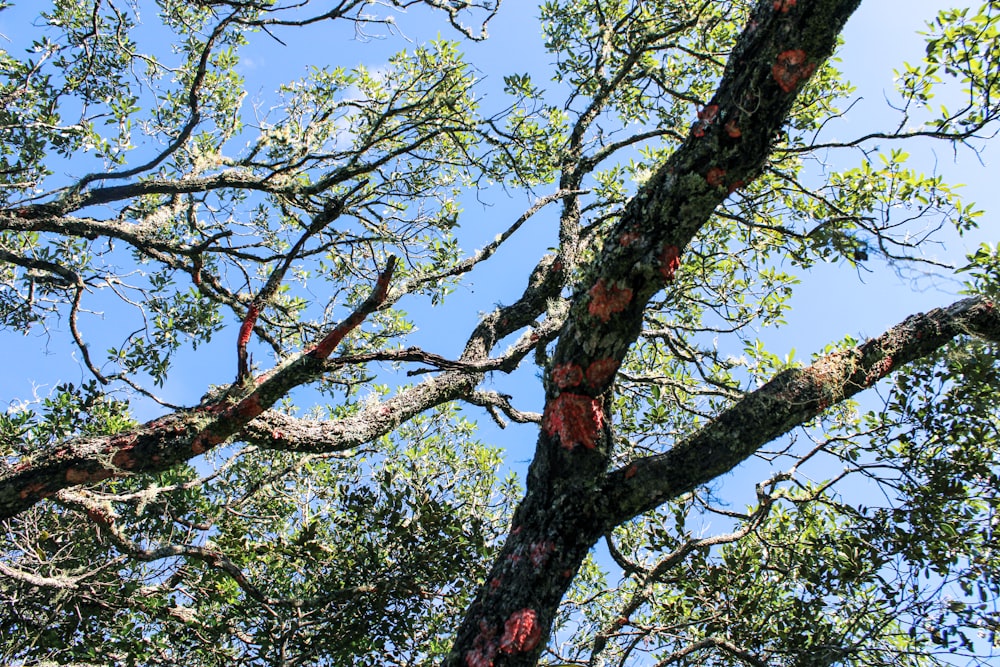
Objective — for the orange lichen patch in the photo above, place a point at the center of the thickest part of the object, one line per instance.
(577, 420)
(205, 442)
(36, 489)
(521, 632)
(715, 176)
(123, 459)
(790, 68)
(484, 647)
(670, 261)
(540, 552)
(732, 130)
(706, 116)
(783, 5)
(80, 476)
(628, 238)
(246, 329)
(879, 370)
(601, 371)
(606, 300)
(249, 407)
(567, 375)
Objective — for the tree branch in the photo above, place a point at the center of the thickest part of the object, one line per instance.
(792, 398)
(163, 442)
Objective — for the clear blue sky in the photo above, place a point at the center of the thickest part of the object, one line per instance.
(831, 302)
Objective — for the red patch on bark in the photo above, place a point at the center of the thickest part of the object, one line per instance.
(247, 327)
(540, 552)
(606, 300)
(790, 68)
(249, 407)
(575, 418)
(482, 653)
(204, 442)
(78, 476)
(628, 238)
(567, 375)
(670, 261)
(484, 647)
(36, 489)
(783, 5)
(601, 371)
(879, 370)
(521, 632)
(123, 459)
(715, 176)
(708, 114)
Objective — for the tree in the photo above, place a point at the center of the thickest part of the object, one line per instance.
(376, 528)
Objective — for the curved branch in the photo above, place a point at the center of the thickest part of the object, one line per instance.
(169, 440)
(164, 442)
(792, 398)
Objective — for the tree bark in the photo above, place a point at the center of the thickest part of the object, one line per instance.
(567, 506)
(243, 410)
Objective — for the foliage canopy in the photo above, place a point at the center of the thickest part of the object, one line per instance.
(332, 501)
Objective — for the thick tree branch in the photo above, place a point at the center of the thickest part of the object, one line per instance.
(563, 514)
(59, 582)
(792, 398)
(166, 441)
(264, 296)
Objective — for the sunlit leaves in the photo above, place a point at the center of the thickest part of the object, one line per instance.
(963, 48)
(197, 206)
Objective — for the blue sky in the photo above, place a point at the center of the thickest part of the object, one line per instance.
(832, 301)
